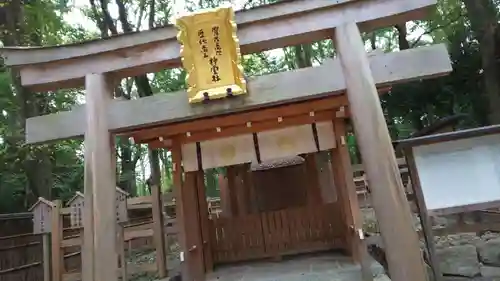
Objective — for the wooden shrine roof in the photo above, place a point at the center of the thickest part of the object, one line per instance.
(253, 121)
(277, 163)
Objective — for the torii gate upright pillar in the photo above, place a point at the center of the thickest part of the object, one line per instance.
(388, 198)
(99, 250)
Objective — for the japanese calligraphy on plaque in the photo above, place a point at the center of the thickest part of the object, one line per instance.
(211, 55)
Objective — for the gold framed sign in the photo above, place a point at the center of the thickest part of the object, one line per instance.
(211, 54)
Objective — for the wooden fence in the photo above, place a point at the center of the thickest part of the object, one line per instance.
(14, 224)
(21, 258)
(275, 233)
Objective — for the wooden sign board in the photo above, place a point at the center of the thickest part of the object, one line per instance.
(121, 205)
(76, 204)
(42, 216)
(457, 174)
(211, 54)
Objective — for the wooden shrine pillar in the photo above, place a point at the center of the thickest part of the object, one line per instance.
(388, 198)
(204, 220)
(194, 242)
(188, 222)
(88, 217)
(176, 153)
(344, 182)
(100, 248)
(345, 188)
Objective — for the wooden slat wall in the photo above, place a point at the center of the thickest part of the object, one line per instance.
(238, 238)
(301, 230)
(21, 258)
(289, 231)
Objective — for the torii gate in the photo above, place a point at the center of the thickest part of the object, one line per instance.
(351, 80)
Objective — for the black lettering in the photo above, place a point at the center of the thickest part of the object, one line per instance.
(215, 78)
(213, 61)
(202, 41)
(215, 30)
(215, 69)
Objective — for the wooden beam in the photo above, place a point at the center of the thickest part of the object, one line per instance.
(240, 118)
(388, 198)
(265, 91)
(32, 55)
(255, 128)
(257, 120)
(264, 28)
(102, 177)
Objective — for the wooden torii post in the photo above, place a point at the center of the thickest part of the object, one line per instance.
(98, 64)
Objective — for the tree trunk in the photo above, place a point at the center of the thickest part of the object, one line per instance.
(37, 164)
(484, 22)
(127, 179)
(402, 33)
(144, 89)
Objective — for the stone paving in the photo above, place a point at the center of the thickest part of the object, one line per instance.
(324, 267)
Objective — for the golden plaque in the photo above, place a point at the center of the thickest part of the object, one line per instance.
(211, 55)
